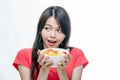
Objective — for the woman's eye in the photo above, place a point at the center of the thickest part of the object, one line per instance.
(46, 28)
(59, 30)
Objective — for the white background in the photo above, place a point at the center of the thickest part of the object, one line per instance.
(95, 29)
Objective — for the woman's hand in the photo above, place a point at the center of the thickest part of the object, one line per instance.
(44, 66)
(61, 67)
(42, 60)
(62, 64)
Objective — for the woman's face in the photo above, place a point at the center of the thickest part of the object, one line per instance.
(52, 34)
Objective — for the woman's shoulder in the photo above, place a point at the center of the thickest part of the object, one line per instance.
(24, 51)
(23, 57)
(75, 49)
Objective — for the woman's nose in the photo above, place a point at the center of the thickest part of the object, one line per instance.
(53, 34)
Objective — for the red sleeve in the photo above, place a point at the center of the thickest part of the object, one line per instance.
(23, 58)
(79, 57)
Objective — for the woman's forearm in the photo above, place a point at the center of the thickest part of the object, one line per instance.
(62, 74)
(43, 74)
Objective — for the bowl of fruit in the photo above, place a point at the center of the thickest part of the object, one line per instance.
(55, 54)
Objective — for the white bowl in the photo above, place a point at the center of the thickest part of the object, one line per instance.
(56, 58)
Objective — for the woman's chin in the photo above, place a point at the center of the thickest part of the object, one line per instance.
(52, 46)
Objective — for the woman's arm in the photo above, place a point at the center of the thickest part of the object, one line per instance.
(45, 66)
(62, 74)
(43, 74)
(77, 73)
(24, 73)
(61, 68)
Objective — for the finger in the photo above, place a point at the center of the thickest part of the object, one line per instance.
(65, 57)
(47, 64)
(65, 60)
(43, 61)
(69, 56)
(63, 63)
(60, 66)
(40, 58)
(68, 49)
(38, 52)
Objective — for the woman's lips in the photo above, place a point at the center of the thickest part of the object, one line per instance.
(51, 43)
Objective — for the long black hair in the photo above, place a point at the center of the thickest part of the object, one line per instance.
(62, 18)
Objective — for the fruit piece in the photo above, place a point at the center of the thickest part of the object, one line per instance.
(59, 53)
(52, 52)
(47, 51)
(64, 53)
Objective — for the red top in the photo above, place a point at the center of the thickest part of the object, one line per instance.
(24, 57)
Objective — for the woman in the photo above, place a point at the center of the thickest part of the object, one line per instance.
(53, 32)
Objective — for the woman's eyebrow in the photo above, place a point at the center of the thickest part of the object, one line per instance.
(48, 25)
(51, 25)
